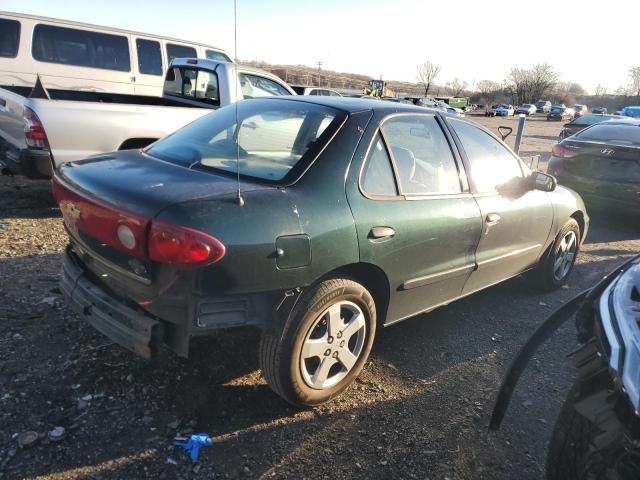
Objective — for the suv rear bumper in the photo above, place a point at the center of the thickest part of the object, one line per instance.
(130, 328)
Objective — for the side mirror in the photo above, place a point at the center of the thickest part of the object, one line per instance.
(543, 182)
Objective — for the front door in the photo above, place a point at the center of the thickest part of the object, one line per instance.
(516, 220)
(414, 215)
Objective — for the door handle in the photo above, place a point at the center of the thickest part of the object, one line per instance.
(379, 233)
(493, 218)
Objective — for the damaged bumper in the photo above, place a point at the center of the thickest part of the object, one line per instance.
(126, 326)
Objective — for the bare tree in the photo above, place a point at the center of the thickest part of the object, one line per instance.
(457, 87)
(600, 90)
(634, 75)
(530, 84)
(487, 87)
(427, 74)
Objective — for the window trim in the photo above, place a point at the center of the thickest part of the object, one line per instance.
(19, 37)
(465, 158)
(457, 159)
(192, 99)
(162, 69)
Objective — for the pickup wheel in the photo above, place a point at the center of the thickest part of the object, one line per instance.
(556, 265)
(324, 344)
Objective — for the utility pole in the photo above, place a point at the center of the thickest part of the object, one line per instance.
(319, 66)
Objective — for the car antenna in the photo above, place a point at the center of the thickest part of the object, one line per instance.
(237, 135)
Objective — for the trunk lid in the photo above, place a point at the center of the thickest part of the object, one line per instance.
(600, 161)
(109, 201)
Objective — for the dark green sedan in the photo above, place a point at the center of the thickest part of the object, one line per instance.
(316, 220)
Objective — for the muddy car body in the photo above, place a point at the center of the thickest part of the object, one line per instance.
(341, 215)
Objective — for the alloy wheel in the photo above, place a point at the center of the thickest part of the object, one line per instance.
(565, 256)
(333, 345)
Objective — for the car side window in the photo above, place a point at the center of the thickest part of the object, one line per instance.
(254, 86)
(492, 164)
(378, 178)
(422, 155)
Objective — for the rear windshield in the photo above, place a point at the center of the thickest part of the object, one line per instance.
(590, 120)
(275, 138)
(612, 134)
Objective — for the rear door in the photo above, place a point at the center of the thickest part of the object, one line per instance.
(415, 216)
(516, 221)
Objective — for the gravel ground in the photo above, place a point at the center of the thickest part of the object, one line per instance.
(419, 410)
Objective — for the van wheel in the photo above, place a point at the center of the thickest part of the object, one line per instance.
(324, 344)
(556, 265)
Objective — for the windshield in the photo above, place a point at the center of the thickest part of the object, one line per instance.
(557, 109)
(273, 137)
(616, 134)
(526, 105)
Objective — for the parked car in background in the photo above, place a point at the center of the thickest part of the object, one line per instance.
(455, 111)
(491, 111)
(505, 110)
(543, 106)
(319, 91)
(579, 110)
(632, 111)
(326, 235)
(600, 110)
(77, 56)
(602, 163)
(560, 112)
(41, 128)
(526, 109)
(583, 122)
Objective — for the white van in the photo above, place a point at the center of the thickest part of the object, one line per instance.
(72, 55)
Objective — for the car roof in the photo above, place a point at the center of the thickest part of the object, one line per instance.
(354, 104)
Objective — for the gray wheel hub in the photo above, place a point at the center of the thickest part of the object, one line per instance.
(565, 256)
(333, 345)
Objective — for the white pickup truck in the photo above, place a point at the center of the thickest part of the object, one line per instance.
(41, 128)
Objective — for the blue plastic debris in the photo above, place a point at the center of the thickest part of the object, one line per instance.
(193, 444)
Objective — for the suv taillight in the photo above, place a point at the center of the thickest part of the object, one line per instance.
(179, 245)
(562, 152)
(34, 133)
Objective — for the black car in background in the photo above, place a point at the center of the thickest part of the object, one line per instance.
(602, 163)
(583, 122)
(560, 112)
(600, 110)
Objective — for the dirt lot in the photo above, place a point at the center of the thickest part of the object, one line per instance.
(420, 409)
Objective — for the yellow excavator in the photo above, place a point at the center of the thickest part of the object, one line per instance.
(378, 88)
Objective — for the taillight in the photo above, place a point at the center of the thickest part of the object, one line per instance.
(34, 133)
(178, 245)
(562, 152)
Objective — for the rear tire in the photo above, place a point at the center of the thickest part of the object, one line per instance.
(556, 265)
(324, 344)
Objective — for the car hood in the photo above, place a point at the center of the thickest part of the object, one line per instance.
(143, 184)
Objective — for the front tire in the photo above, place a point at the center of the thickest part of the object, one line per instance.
(324, 344)
(556, 265)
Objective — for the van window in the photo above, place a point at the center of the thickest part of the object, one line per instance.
(213, 55)
(193, 84)
(149, 57)
(81, 47)
(9, 37)
(180, 51)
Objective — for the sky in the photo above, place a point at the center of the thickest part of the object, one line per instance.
(586, 41)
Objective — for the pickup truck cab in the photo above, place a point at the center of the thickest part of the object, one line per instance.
(40, 128)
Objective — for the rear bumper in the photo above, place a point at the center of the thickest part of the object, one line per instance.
(34, 164)
(136, 331)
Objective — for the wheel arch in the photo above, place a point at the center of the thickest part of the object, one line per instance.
(578, 216)
(371, 277)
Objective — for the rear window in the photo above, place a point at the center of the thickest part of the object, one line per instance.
(193, 84)
(213, 55)
(180, 51)
(589, 120)
(9, 37)
(276, 139)
(83, 48)
(612, 134)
